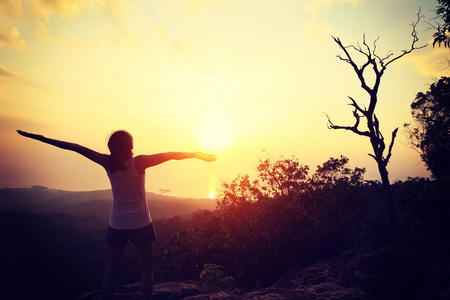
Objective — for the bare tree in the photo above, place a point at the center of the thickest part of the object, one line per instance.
(377, 64)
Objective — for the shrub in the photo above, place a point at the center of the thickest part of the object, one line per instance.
(213, 280)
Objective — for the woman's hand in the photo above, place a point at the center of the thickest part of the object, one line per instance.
(206, 157)
(30, 135)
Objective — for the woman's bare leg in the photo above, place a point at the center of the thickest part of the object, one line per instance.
(114, 260)
(146, 264)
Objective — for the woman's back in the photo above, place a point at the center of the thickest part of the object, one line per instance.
(130, 209)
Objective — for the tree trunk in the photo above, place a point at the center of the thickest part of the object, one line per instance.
(389, 202)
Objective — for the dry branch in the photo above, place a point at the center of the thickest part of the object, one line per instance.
(378, 65)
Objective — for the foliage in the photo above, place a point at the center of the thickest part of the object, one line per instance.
(442, 34)
(282, 219)
(262, 229)
(287, 218)
(430, 132)
(213, 280)
(424, 214)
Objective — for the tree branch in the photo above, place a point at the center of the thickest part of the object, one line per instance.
(359, 71)
(376, 125)
(394, 134)
(379, 65)
(413, 44)
(356, 106)
(353, 128)
(373, 156)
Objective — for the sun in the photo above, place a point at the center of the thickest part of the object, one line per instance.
(215, 133)
(215, 137)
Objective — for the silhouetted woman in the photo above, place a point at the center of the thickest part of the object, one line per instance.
(130, 218)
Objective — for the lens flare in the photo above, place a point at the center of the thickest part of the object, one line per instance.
(212, 188)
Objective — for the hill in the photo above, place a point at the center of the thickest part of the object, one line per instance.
(42, 200)
(54, 240)
(270, 249)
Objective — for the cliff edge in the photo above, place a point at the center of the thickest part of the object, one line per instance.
(359, 274)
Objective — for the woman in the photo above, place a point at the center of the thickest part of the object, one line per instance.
(130, 218)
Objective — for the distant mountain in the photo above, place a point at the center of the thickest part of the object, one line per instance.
(42, 200)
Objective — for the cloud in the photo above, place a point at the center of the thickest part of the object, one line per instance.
(192, 5)
(197, 3)
(431, 62)
(314, 6)
(316, 28)
(177, 47)
(42, 30)
(9, 35)
(164, 13)
(12, 8)
(123, 36)
(12, 12)
(9, 123)
(42, 9)
(114, 10)
(160, 32)
(6, 72)
(333, 2)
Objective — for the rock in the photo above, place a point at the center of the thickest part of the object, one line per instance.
(175, 290)
(162, 291)
(377, 273)
(314, 293)
(215, 296)
(359, 274)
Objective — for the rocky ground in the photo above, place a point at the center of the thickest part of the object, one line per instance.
(360, 274)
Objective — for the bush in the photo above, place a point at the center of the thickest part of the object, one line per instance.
(213, 280)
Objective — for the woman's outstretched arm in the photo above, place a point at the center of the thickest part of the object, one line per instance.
(96, 157)
(145, 161)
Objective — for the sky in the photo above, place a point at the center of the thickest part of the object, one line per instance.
(245, 80)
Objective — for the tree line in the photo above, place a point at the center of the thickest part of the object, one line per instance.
(285, 219)
(262, 228)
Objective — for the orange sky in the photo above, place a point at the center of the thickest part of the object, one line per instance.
(222, 76)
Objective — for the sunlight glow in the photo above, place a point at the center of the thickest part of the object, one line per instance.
(215, 132)
(212, 188)
(215, 137)
(220, 77)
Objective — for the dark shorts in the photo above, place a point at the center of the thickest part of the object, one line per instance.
(139, 237)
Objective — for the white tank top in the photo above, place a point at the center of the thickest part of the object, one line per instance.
(130, 209)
